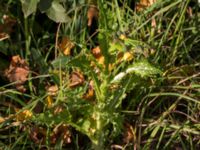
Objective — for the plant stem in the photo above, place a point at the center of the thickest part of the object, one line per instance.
(27, 38)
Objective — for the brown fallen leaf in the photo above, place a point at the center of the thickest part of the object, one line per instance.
(66, 45)
(76, 79)
(92, 13)
(18, 72)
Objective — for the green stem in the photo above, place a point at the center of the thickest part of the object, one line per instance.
(27, 38)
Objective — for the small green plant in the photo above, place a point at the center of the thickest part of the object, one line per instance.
(129, 85)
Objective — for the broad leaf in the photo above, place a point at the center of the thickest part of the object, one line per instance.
(29, 7)
(57, 12)
(44, 5)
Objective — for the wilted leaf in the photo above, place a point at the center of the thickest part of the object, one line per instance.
(2, 119)
(76, 79)
(57, 12)
(144, 3)
(128, 56)
(52, 90)
(90, 92)
(29, 7)
(38, 134)
(98, 55)
(24, 115)
(3, 36)
(66, 45)
(18, 72)
(129, 134)
(96, 52)
(92, 13)
(61, 132)
(49, 101)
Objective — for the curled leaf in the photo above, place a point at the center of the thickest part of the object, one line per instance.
(61, 132)
(90, 92)
(18, 72)
(92, 13)
(49, 101)
(76, 79)
(24, 115)
(128, 56)
(66, 46)
(52, 90)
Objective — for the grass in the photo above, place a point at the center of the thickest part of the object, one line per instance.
(142, 92)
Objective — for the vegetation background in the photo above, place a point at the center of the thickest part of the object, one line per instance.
(118, 74)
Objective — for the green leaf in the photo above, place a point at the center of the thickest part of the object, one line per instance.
(44, 5)
(141, 68)
(61, 61)
(57, 12)
(29, 7)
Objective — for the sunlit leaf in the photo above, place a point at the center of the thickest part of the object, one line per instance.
(141, 68)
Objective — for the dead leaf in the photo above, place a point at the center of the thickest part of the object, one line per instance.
(101, 60)
(38, 134)
(92, 13)
(52, 90)
(144, 4)
(2, 119)
(61, 132)
(66, 46)
(24, 115)
(49, 101)
(122, 37)
(76, 79)
(58, 109)
(3, 36)
(90, 92)
(96, 52)
(128, 56)
(18, 72)
(129, 135)
(98, 55)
